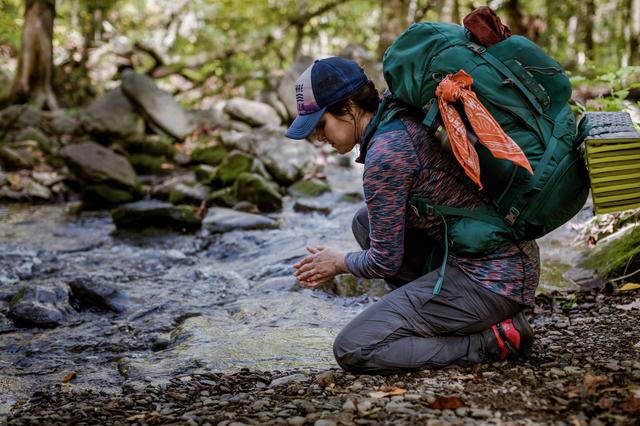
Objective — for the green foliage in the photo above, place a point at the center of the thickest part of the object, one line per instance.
(11, 17)
(616, 257)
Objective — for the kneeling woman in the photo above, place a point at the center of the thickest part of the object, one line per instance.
(477, 314)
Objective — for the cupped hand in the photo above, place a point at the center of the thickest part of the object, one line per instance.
(320, 266)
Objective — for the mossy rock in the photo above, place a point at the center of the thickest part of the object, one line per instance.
(617, 257)
(15, 159)
(352, 197)
(232, 167)
(148, 165)
(257, 190)
(212, 155)
(308, 188)
(34, 134)
(188, 193)
(106, 196)
(224, 197)
(157, 147)
(156, 214)
(204, 172)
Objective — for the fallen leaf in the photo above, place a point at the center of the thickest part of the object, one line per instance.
(629, 306)
(631, 405)
(381, 392)
(69, 377)
(604, 403)
(630, 287)
(447, 403)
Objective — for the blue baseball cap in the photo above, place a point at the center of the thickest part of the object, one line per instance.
(324, 83)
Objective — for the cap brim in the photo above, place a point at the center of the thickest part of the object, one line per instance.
(304, 125)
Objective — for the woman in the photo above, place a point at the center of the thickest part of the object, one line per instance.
(477, 314)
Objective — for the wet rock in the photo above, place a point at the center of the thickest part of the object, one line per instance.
(278, 284)
(353, 197)
(234, 139)
(309, 206)
(224, 220)
(256, 190)
(93, 163)
(63, 123)
(204, 172)
(246, 206)
(223, 197)
(252, 112)
(36, 306)
(112, 116)
(149, 164)
(34, 134)
(287, 87)
(106, 196)
(212, 117)
(212, 155)
(98, 292)
(154, 145)
(308, 188)
(48, 178)
(293, 378)
(15, 159)
(34, 190)
(348, 285)
(287, 160)
(233, 166)
(188, 193)
(156, 214)
(585, 278)
(157, 105)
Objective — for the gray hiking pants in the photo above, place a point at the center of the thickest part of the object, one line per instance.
(410, 328)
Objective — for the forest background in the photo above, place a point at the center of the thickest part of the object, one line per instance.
(205, 50)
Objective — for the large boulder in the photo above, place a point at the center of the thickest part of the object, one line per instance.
(34, 134)
(95, 164)
(112, 116)
(252, 112)
(258, 191)
(224, 220)
(287, 86)
(371, 66)
(156, 214)
(157, 105)
(40, 307)
(97, 293)
(287, 160)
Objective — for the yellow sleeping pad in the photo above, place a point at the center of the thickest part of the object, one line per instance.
(612, 149)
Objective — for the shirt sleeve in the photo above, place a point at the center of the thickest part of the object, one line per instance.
(391, 167)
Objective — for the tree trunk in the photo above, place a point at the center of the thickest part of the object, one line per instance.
(634, 41)
(514, 17)
(590, 13)
(32, 82)
(393, 20)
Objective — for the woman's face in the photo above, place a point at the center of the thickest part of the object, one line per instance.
(338, 131)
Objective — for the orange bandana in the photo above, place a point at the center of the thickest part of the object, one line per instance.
(457, 87)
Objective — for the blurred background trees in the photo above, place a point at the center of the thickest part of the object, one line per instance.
(204, 49)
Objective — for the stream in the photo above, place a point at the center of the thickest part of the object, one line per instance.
(219, 302)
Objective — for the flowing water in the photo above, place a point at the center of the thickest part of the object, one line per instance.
(220, 302)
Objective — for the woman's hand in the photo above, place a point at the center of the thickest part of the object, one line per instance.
(321, 265)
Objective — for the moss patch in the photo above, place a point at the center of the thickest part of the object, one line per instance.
(308, 188)
(613, 259)
(213, 155)
(257, 190)
(148, 165)
(105, 196)
(232, 167)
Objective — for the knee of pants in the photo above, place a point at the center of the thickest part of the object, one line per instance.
(347, 353)
(360, 227)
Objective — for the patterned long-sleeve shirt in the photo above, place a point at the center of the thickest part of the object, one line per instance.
(402, 160)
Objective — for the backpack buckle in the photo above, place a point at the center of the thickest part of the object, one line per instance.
(512, 216)
(476, 48)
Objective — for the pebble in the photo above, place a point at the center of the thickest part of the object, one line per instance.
(480, 413)
(324, 422)
(349, 405)
(297, 421)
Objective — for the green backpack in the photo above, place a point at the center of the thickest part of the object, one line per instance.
(527, 92)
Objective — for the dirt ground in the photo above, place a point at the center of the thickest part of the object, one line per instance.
(584, 369)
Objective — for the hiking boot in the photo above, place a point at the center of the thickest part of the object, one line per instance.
(513, 336)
